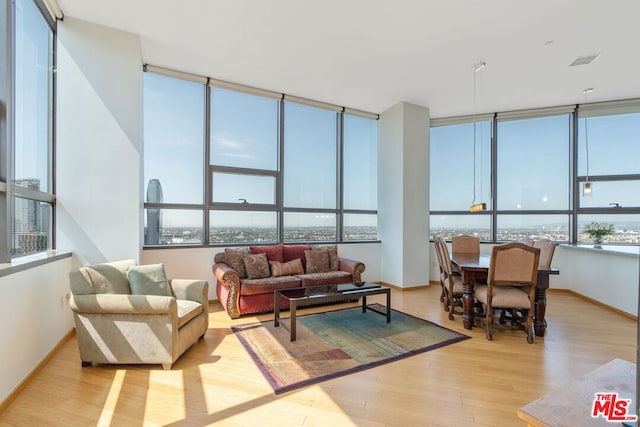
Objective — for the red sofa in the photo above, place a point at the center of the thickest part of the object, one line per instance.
(241, 294)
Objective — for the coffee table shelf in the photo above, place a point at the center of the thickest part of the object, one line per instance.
(328, 293)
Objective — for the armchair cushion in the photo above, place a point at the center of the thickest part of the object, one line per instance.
(187, 310)
(148, 280)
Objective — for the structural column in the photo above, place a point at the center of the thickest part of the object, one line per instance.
(403, 194)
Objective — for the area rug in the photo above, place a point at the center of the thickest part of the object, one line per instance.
(337, 343)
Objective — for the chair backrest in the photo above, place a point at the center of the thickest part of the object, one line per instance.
(443, 256)
(465, 243)
(526, 240)
(514, 264)
(547, 248)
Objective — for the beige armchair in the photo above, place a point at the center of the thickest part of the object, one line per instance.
(114, 325)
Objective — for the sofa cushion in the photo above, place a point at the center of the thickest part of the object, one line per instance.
(317, 261)
(268, 285)
(148, 279)
(235, 260)
(290, 268)
(257, 266)
(333, 254)
(187, 310)
(291, 252)
(274, 252)
(328, 278)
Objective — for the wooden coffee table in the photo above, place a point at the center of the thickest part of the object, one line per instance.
(328, 293)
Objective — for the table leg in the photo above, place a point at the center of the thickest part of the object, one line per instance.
(276, 309)
(388, 305)
(293, 308)
(540, 324)
(467, 304)
(364, 303)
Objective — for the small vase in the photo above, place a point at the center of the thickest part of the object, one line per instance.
(597, 242)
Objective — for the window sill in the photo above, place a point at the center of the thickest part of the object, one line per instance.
(629, 250)
(30, 261)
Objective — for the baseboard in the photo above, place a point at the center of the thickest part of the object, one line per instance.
(16, 391)
(594, 301)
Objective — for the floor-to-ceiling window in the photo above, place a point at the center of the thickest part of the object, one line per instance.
(26, 143)
(253, 166)
(531, 176)
(609, 158)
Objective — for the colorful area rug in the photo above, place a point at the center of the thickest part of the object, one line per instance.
(336, 343)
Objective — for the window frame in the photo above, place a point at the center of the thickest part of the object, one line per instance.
(575, 180)
(209, 206)
(9, 191)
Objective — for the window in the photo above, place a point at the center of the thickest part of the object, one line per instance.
(226, 164)
(360, 178)
(453, 161)
(173, 160)
(244, 166)
(533, 163)
(533, 177)
(539, 164)
(30, 197)
(608, 153)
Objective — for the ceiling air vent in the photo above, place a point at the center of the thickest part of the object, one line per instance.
(583, 60)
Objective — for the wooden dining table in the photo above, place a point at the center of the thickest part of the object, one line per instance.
(474, 268)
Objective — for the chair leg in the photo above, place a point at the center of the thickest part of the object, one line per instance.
(489, 321)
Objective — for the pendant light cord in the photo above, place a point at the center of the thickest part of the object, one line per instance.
(474, 138)
(586, 133)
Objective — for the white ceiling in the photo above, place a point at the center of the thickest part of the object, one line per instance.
(372, 54)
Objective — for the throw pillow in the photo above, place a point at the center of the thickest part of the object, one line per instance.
(257, 266)
(333, 255)
(274, 252)
(235, 260)
(317, 261)
(291, 252)
(289, 268)
(148, 279)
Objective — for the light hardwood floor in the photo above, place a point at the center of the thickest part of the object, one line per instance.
(474, 382)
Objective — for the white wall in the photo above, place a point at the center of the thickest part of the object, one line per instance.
(34, 317)
(196, 263)
(403, 195)
(99, 142)
(606, 276)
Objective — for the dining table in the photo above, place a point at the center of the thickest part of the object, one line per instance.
(474, 268)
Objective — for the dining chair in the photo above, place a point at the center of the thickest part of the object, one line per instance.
(547, 249)
(465, 243)
(526, 240)
(511, 284)
(451, 283)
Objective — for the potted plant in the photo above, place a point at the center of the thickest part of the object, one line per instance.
(597, 231)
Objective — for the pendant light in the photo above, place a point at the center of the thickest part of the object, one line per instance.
(476, 207)
(586, 186)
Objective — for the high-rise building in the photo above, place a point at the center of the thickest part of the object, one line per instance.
(154, 216)
(30, 221)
